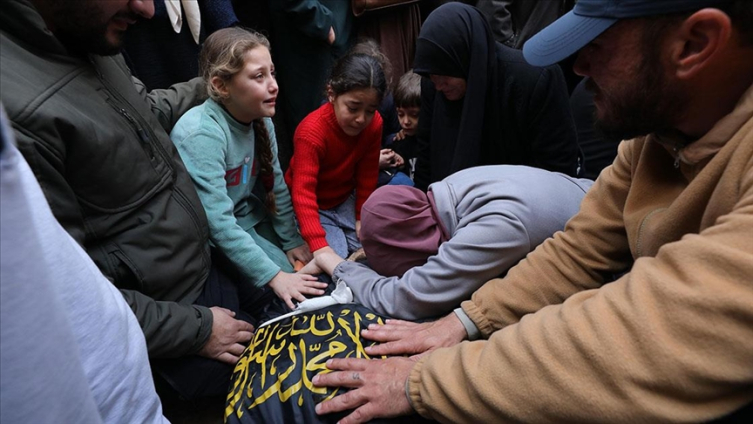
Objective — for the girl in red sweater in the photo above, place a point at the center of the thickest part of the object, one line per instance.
(336, 162)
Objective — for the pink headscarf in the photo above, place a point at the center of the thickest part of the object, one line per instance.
(399, 229)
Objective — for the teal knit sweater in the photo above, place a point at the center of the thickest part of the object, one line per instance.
(218, 152)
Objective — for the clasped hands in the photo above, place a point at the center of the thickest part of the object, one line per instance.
(388, 158)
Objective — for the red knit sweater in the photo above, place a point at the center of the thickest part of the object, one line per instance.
(327, 165)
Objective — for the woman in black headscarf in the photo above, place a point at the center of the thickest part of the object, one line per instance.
(482, 104)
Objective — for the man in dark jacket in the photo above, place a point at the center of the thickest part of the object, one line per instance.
(98, 144)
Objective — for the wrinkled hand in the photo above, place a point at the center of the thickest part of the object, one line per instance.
(225, 344)
(300, 253)
(378, 388)
(293, 286)
(331, 36)
(386, 158)
(410, 338)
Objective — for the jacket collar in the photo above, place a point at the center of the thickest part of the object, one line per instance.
(694, 152)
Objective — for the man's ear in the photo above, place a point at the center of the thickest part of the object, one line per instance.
(220, 87)
(697, 40)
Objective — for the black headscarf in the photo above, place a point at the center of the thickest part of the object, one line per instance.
(456, 41)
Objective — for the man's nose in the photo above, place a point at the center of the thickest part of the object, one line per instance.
(143, 8)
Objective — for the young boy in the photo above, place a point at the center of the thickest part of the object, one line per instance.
(398, 156)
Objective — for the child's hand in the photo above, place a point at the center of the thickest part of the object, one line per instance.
(400, 135)
(300, 253)
(294, 286)
(386, 158)
(325, 260)
(358, 229)
(312, 268)
(399, 161)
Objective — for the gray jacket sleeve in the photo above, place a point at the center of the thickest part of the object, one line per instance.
(482, 250)
(169, 104)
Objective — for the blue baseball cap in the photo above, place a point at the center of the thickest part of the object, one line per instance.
(589, 18)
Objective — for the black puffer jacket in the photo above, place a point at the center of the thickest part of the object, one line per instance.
(98, 145)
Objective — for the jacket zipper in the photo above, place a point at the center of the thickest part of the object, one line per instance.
(143, 136)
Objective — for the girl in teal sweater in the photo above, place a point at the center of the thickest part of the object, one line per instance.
(229, 147)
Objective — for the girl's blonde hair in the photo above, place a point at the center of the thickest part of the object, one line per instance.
(223, 55)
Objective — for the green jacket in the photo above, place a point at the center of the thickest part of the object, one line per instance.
(99, 147)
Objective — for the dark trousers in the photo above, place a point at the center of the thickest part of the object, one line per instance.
(196, 376)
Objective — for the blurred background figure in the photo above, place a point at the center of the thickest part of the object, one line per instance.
(307, 37)
(164, 50)
(395, 29)
(598, 150)
(482, 104)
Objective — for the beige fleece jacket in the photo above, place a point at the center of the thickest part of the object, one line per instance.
(672, 340)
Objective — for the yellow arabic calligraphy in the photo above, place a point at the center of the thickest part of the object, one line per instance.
(257, 375)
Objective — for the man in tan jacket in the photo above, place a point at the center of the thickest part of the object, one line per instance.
(672, 339)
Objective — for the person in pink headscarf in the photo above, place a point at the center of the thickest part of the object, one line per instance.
(427, 252)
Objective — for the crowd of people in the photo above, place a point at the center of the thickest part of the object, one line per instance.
(534, 271)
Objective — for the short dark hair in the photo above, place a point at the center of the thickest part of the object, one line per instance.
(408, 90)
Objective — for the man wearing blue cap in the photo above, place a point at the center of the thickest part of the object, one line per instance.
(670, 340)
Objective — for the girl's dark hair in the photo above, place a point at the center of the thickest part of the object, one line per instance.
(356, 71)
(370, 47)
(223, 55)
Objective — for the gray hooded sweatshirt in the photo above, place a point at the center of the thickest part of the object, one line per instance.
(495, 216)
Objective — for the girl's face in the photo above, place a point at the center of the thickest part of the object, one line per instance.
(355, 109)
(251, 93)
